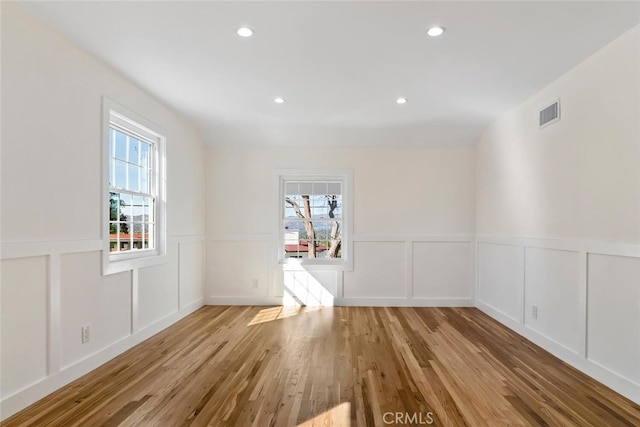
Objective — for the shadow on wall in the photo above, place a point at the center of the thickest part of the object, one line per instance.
(303, 288)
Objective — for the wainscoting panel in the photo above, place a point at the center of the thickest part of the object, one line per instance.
(191, 270)
(62, 285)
(389, 270)
(614, 314)
(587, 295)
(501, 278)
(441, 270)
(89, 298)
(379, 271)
(24, 332)
(552, 286)
(238, 269)
(158, 289)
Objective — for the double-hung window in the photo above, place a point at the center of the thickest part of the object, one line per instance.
(134, 213)
(315, 218)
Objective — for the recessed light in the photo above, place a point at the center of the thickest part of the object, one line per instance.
(401, 101)
(244, 32)
(278, 100)
(435, 31)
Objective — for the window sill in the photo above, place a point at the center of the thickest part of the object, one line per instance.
(117, 264)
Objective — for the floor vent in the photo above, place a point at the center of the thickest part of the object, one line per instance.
(550, 114)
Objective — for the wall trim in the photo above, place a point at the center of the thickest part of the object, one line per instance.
(28, 248)
(404, 302)
(31, 394)
(576, 245)
(225, 300)
(607, 377)
(413, 238)
(240, 237)
(351, 302)
(578, 358)
(356, 238)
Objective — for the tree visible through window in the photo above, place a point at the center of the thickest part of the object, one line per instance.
(133, 184)
(313, 219)
(131, 191)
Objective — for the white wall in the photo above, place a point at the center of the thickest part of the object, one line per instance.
(51, 220)
(558, 217)
(413, 210)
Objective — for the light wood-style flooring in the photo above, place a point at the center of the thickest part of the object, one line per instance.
(342, 366)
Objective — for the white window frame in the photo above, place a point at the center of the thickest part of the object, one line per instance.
(113, 112)
(345, 177)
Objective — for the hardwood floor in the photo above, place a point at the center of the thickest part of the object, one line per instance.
(342, 366)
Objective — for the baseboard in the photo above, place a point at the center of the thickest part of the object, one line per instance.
(404, 302)
(607, 377)
(25, 397)
(216, 300)
(352, 302)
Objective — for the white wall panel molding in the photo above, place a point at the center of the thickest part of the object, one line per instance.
(239, 300)
(586, 312)
(577, 245)
(135, 301)
(405, 302)
(405, 275)
(601, 373)
(186, 238)
(411, 238)
(57, 373)
(240, 237)
(26, 249)
(54, 326)
(23, 398)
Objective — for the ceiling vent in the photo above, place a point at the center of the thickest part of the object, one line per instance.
(550, 114)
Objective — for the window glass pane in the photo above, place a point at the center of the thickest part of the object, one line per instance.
(136, 232)
(334, 188)
(314, 201)
(125, 207)
(145, 151)
(124, 236)
(138, 208)
(306, 188)
(113, 206)
(113, 237)
(291, 188)
(121, 145)
(145, 209)
(133, 150)
(121, 174)
(133, 177)
(289, 209)
(112, 177)
(319, 212)
(144, 181)
(334, 206)
(320, 188)
(145, 236)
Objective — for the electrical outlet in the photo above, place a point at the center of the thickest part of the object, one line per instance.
(255, 283)
(86, 333)
(534, 311)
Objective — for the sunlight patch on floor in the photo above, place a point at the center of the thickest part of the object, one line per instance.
(339, 416)
(274, 313)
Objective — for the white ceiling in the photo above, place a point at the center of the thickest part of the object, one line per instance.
(341, 65)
